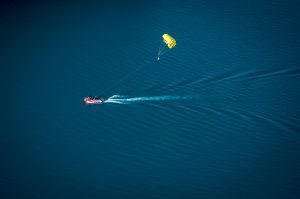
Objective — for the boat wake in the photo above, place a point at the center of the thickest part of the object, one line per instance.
(117, 99)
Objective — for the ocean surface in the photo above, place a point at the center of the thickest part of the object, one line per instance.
(217, 116)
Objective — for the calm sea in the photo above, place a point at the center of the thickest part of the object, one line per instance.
(216, 117)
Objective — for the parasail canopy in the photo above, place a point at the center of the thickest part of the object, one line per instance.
(169, 40)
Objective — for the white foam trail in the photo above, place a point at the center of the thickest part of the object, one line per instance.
(130, 100)
(117, 96)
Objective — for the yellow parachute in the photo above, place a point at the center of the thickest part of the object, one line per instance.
(169, 40)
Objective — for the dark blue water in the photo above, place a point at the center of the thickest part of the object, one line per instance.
(222, 120)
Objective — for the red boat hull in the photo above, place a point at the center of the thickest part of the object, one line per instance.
(89, 100)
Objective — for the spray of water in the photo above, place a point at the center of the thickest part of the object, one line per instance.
(130, 100)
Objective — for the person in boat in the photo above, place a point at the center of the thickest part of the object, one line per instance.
(96, 98)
